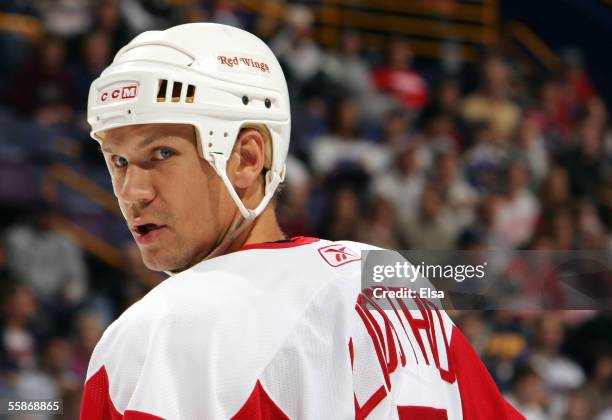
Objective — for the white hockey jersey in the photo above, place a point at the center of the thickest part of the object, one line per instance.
(281, 330)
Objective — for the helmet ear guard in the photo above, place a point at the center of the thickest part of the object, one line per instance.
(218, 155)
(214, 77)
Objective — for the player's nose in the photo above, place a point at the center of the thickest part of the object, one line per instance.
(137, 185)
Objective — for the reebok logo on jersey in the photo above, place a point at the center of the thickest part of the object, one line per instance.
(337, 255)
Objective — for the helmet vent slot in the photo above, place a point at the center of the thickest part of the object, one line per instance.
(190, 94)
(161, 91)
(176, 91)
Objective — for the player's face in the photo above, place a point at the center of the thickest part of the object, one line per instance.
(170, 197)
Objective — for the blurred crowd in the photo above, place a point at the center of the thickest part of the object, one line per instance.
(386, 149)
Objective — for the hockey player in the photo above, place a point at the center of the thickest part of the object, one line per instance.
(194, 126)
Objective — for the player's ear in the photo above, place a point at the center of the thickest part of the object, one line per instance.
(248, 157)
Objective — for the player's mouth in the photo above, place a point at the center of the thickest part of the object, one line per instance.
(147, 233)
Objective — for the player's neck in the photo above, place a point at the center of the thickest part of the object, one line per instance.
(265, 229)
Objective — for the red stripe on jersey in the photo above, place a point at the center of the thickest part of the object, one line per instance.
(421, 413)
(260, 406)
(480, 398)
(297, 241)
(97, 403)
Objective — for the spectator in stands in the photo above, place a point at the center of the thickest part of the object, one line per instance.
(109, 20)
(440, 133)
(140, 16)
(598, 385)
(88, 330)
(343, 215)
(518, 209)
(293, 208)
(94, 57)
(398, 78)
(528, 394)
(559, 226)
(554, 114)
(343, 146)
(44, 88)
(56, 358)
(584, 161)
(20, 335)
(597, 114)
(577, 84)
(447, 101)
(485, 225)
(591, 233)
(188, 12)
(558, 372)
(578, 406)
(349, 70)
(403, 184)
(65, 18)
(457, 194)
(380, 225)
(53, 265)
(529, 146)
(475, 329)
(433, 227)
(491, 102)
(484, 160)
(396, 129)
(302, 59)
(224, 12)
(554, 190)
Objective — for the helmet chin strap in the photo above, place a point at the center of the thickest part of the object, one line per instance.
(247, 216)
(272, 178)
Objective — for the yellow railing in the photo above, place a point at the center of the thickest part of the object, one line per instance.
(427, 26)
(62, 175)
(27, 26)
(520, 33)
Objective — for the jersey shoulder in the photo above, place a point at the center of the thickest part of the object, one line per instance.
(212, 313)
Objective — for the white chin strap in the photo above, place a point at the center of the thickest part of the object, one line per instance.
(272, 180)
(239, 226)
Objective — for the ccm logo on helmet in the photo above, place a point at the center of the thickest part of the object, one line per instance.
(120, 93)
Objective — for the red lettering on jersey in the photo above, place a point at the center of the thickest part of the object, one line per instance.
(104, 96)
(362, 412)
(115, 94)
(428, 325)
(399, 318)
(389, 354)
(391, 334)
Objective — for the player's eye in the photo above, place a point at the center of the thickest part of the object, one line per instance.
(163, 153)
(119, 161)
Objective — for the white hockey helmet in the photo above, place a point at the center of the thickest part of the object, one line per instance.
(215, 77)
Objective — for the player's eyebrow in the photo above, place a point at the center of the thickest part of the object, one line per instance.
(145, 142)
